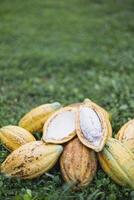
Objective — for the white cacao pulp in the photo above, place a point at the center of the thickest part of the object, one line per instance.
(61, 125)
(90, 125)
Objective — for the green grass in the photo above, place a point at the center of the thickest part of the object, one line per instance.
(65, 51)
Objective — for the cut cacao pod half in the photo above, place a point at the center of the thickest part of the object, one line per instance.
(92, 126)
(60, 127)
(126, 132)
(107, 115)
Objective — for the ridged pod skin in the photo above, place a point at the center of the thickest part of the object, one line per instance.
(127, 131)
(46, 125)
(118, 162)
(78, 163)
(12, 137)
(129, 144)
(31, 160)
(105, 124)
(35, 119)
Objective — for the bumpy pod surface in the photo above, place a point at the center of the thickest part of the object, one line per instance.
(129, 144)
(31, 160)
(12, 137)
(118, 162)
(60, 127)
(78, 163)
(92, 126)
(35, 119)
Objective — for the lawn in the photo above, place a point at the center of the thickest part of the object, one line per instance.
(65, 51)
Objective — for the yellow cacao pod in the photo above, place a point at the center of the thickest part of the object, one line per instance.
(31, 160)
(35, 119)
(126, 132)
(60, 127)
(78, 163)
(118, 162)
(13, 137)
(92, 125)
(129, 144)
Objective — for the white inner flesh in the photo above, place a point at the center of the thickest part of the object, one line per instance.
(61, 126)
(90, 125)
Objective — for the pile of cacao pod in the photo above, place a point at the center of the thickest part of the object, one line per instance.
(78, 135)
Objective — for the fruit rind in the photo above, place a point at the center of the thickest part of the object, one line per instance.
(129, 144)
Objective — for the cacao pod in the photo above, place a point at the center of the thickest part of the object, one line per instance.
(129, 144)
(13, 137)
(78, 163)
(92, 126)
(31, 160)
(126, 132)
(35, 119)
(118, 162)
(60, 127)
(107, 115)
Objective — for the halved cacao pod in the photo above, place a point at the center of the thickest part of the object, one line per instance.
(92, 126)
(60, 127)
(78, 163)
(127, 131)
(35, 119)
(13, 137)
(118, 162)
(107, 115)
(31, 160)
